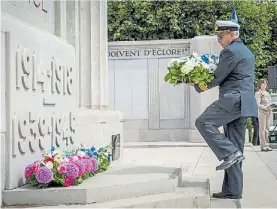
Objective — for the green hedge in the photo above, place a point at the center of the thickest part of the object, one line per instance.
(153, 20)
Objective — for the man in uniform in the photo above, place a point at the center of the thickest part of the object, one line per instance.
(235, 77)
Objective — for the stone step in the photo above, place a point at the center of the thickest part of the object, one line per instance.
(185, 196)
(191, 193)
(167, 144)
(119, 182)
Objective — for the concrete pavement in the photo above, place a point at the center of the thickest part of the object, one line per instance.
(260, 171)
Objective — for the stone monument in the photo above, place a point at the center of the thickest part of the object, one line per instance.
(54, 58)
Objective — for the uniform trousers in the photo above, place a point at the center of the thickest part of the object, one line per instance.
(225, 144)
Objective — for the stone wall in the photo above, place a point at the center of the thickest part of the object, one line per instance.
(39, 13)
(154, 110)
(55, 81)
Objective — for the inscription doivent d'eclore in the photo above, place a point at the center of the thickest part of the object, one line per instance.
(49, 81)
(129, 53)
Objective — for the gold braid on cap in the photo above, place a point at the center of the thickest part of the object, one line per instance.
(203, 87)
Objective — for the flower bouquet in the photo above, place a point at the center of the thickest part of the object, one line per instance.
(67, 168)
(192, 69)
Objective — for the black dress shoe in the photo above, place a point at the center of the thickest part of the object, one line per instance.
(232, 159)
(222, 195)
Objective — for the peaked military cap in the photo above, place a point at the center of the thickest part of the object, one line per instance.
(223, 25)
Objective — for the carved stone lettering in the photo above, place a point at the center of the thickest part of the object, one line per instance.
(33, 118)
(59, 124)
(145, 53)
(23, 129)
(72, 122)
(43, 126)
(55, 76)
(26, 68)
(39, 72)
(34, 129)
(39, 4)
(69, 80)
(23, 125)
(33, 143)
(34, 71)
(58, 77)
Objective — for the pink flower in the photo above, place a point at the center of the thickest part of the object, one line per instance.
(68, 181)
(86, 163)
(61, 168)
(94, 165)
(28, 174)
(72, 170)
(30, 169)
(80, 165)
(80, 173)
(70, 159)
(35, 168)
(44, 175)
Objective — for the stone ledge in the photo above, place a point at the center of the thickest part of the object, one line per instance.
(119, 182)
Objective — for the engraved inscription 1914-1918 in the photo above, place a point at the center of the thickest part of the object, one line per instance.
(51, 80)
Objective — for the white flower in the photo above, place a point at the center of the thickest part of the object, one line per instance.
(213, 67)
(196, 56)
(211, 60)
(185, 69)
(49, 165)
(206, 66)
(192, 63)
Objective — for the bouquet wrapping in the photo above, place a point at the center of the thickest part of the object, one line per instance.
(67, 168)
(198, 69)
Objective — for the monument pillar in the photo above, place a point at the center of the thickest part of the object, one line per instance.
(103, 54)
(95, 122)
(94, 54)
(95, 44)
(72, 36)
(99, 54)
(60, 14)
(85, 57)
